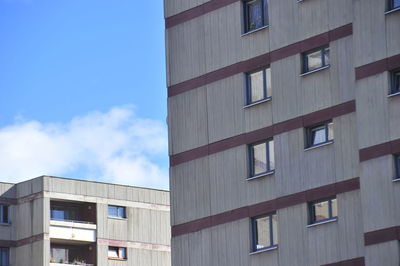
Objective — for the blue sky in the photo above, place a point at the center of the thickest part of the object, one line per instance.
(94, 63)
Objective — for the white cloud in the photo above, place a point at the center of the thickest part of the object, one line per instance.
(115, 146)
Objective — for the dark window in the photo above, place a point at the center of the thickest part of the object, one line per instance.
(394, 81)
(64, 213)
(315, 59)
(320, 134)
(393, 4)
(262, 158)
(255, 14)
(4, 257)
(323, 210)
(116, 211)
(258, 86)
(117, 253)
(397, 165)
(264, 232)
(4, 214)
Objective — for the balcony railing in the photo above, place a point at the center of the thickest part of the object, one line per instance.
(64, 264)
(73, 230)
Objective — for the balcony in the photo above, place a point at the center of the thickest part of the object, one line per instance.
(72, 230)
(64, 255)
(72, 221)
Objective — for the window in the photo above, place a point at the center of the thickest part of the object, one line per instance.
(255, 14)
(323, 210)
(59, 255)
(393, 4)
(116, 211)
(117, 253)
(264, 232)
(320, 134)
(4, 214)
(64, 213)
(4, 257)
(258, 86)
(394, 81)
(397, 166)
(262, 159)
(315, 59)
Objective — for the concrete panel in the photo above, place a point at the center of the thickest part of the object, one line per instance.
(187, 114)
(383, 254)
(369, 31)
(173, 7)
(148, 226)
(372, 110)
(191, 188)
(380, 208)
(228, 185)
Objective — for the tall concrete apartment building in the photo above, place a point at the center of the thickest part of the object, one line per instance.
(284, 132)
(51, 221)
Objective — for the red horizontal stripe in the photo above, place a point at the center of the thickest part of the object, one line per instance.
(381, 236)
(261, 61)
(264, 133)
(196, 12)
(266, 207)
(390, 147)
(386, 64)
(352, 262)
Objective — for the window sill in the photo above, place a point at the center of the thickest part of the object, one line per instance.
(393, 94)
(258, 102)
(315, 70)
(261, 175)
(252, 31)
(392, 10)
(119, 259)
(319, 145)
(116, 218)
(397, 179)
(264, 250)
(5, 224)
(323, 222)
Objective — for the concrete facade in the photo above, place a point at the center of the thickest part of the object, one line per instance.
(38, 226)
(210, 129)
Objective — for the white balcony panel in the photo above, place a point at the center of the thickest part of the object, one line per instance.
(73, 231)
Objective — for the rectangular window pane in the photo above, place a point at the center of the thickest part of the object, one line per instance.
(256, 83)
(122, 253)
(334, 208)
(113, 211)
(395, 86)
(314, 60)
(321, 211)
(5, 214)
(262, 233)
(397, 165)
(254, 14)
(259, 160)
(57, 214)
(269, 86)
(4, 257)
(271, 154)
(59, 255)
(318, 135)
(395, 3)
(330, 131)
(121, 212)
(326, 56)
(113, 252)
(275, 229)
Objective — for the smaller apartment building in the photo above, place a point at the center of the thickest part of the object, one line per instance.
(55, 221)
